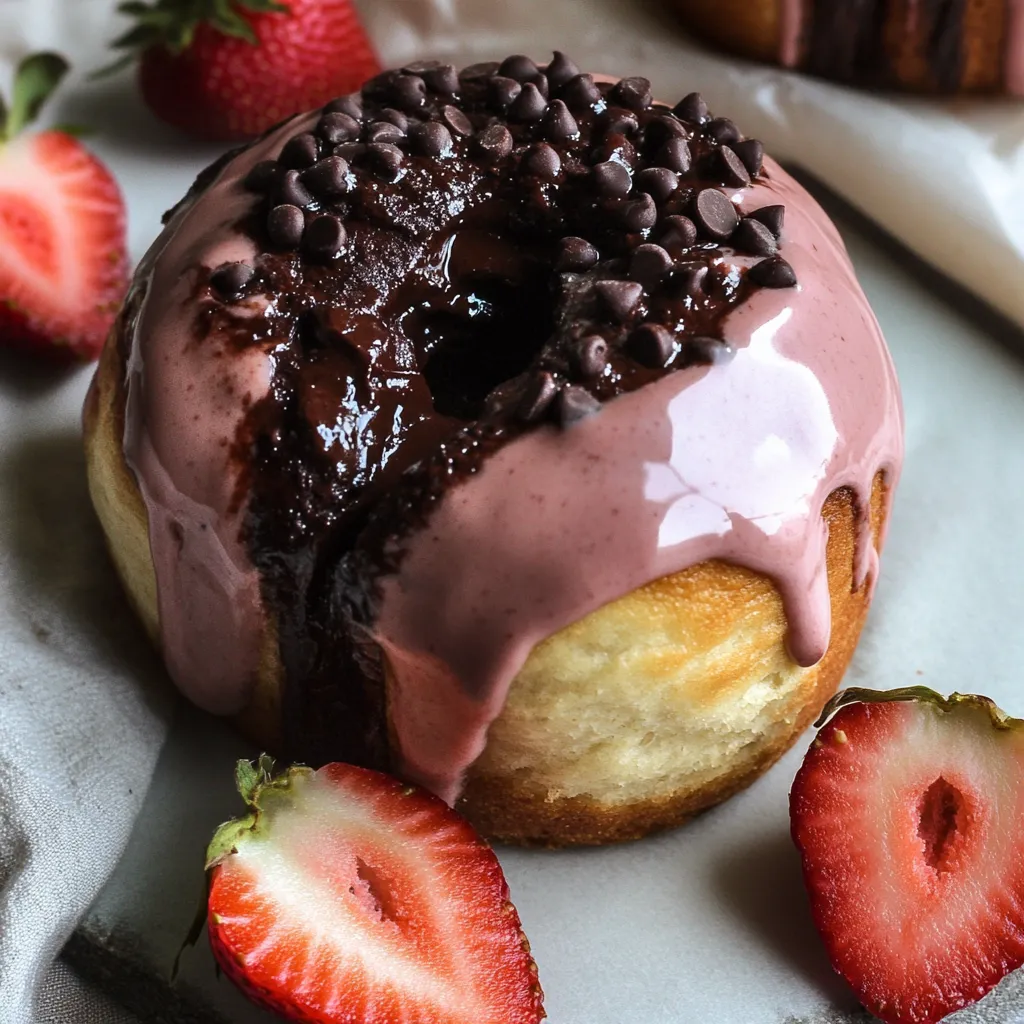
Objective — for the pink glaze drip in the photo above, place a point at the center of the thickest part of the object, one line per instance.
(186, 399)
(733, 463)
(790, 31)
(1013, 61)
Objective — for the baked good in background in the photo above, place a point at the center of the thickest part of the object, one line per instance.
(945, 46)
(507, 430)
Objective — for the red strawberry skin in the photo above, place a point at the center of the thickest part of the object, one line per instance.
(227, 89)
(353, 898)
(908, 812)
(63, 257)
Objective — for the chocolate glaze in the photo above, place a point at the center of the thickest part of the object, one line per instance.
(414, 347)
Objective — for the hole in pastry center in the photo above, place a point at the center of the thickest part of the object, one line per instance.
(489, 333)
(939, 824)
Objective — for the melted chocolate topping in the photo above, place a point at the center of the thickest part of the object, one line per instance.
(448, 260)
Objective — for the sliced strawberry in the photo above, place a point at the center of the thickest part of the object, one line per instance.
(348, 896)
(909, 815)
(63, 259)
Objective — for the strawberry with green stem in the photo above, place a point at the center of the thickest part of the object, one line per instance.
(345, 896)
(229, 69)
(63, 256)
(908, 813)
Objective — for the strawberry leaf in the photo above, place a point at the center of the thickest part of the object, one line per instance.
(34, 83)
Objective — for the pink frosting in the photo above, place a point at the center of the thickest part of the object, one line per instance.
(790, 31)
(733, 462)
(186, 399)
(1013, 61)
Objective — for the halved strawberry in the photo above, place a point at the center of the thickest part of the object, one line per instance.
(63, 258)
(909, 815)
(348, 896)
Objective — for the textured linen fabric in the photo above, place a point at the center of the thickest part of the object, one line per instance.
(83, 704)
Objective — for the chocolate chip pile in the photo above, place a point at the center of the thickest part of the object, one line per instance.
(625, 196)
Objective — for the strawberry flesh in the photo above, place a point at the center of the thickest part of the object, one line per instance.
(63, 262)
(348, 896)
(909, 816)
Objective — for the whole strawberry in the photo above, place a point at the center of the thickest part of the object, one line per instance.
(229, 69)
(63, 258)
(909, 816)
(348, 897)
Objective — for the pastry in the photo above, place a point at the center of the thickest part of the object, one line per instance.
(507, 430)
(946, 46)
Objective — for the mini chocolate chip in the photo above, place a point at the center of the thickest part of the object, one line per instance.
(611, 179)
(494, 142)
(751, 236)
(580, 92)
(620, 122)
(675, 156)
(229, 279)
(658, 182)
(325, 237)
(457, 121)
(589, 357)
(477, 72)
(574, 404)
(351, 105)
(542, 86)
(649, 264)
(408, 92)
(729, 169)
(616, 147)
(540, 391)
(301, 151)
(773, 272)
(292, 192)
(751, 152)
(442, 78)
(723, 131)
(386, 159)
(351, 151)
(678, 232)
(337, 128)
(431, 138)
(543, 161)
(395, 117)
(560, 70)
(689, 280)
(384, 131)
(634, 93)
(706, 351)
(285, 225)
(558, 124)
(638, 214)
(576, 254)
(264, 176)
(692, 108)
(714, 213)
(773, 218)
(528, 105)
(620, 297)
(502, 91)
(651, 345)
(519, 67)
(328, 177)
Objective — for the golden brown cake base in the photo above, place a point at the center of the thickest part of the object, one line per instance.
(632, 720)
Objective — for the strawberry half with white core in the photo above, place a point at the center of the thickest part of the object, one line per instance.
(909, 815)
(63, 258)
(348, 897)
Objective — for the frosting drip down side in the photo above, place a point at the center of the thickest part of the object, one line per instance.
(733, 462)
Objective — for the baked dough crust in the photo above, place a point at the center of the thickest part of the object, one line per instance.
(631, 720)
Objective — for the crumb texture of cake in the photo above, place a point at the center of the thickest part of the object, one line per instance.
(509, 430)
(946, 46)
